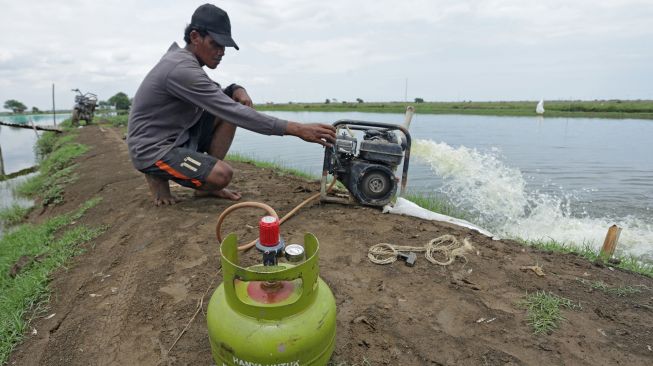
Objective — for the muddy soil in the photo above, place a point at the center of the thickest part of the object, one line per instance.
(126, 300)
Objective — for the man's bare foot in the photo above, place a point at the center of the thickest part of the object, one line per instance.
(222, 193)
(160, 189)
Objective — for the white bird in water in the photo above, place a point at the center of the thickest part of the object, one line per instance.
(540, 107)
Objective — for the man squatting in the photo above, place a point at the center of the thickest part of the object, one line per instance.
(182, 123)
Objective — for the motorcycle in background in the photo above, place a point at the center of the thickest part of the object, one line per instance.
(84, 107)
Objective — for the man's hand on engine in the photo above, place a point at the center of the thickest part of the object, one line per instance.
(240, 95)
(313, 132)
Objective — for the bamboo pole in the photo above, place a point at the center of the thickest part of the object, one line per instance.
(31, 121)
(40, 128)
(19, 173)
(610, 243)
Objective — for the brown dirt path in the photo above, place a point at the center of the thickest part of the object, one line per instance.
(127, 298)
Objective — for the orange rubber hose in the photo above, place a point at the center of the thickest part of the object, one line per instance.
(267, 208)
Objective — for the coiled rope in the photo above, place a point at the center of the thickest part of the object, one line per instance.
(448, 245)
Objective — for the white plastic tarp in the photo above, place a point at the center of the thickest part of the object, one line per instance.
(408, 208)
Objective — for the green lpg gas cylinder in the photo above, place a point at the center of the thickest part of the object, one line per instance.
(271, 315)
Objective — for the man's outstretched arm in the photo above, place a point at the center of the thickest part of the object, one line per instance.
(320, 133)
(315, 132)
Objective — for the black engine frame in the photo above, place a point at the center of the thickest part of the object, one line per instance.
(350, 173)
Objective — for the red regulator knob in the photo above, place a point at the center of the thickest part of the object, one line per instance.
(268, 228)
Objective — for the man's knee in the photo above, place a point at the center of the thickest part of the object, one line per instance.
(220, 175)
(221, 140)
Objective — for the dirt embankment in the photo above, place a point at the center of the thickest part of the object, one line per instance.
(125, 301)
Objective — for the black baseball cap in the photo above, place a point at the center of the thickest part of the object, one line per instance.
(216, 22)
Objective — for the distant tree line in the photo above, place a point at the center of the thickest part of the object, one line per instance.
(120, 101)
(18, 107)
(360, 100)
(15, 106)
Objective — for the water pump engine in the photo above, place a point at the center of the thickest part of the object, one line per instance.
(367, 169)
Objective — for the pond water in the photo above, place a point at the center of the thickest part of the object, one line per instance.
(527, 177)
(17, 149)
(8, 196)
(17, 144)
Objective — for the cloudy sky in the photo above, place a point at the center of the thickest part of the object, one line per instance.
(300, 50)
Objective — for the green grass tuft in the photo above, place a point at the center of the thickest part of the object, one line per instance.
(46, 247)
(115, 121)
(14, 214)
(67, 125)
(621, 291)
(279, 167)
(61, 158)
(634, 264)
(435, 203)
(599, 285)
(544, 313)
(45, 144)
(51, 141)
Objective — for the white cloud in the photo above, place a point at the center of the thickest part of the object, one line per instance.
(6, 55)
(328, 56)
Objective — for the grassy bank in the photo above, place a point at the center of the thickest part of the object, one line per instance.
(29, 254)
(115, 121)
(56, 168)
(641, 109)
(627, 262)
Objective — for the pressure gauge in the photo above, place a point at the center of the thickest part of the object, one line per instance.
(294, 253)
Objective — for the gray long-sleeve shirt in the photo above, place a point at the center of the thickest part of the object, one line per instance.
(171, 99)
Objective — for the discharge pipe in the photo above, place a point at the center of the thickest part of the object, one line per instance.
(410, 110)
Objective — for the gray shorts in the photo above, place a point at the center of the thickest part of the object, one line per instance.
(189, 165)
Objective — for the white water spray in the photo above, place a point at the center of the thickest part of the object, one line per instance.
(496, 195)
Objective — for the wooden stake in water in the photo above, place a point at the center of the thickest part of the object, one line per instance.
(31, 121)
(610, 243)
(54, 109)
(2, 164)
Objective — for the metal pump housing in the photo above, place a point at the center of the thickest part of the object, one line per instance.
(368, 170)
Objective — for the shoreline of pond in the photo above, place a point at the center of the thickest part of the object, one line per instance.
(617, 109)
